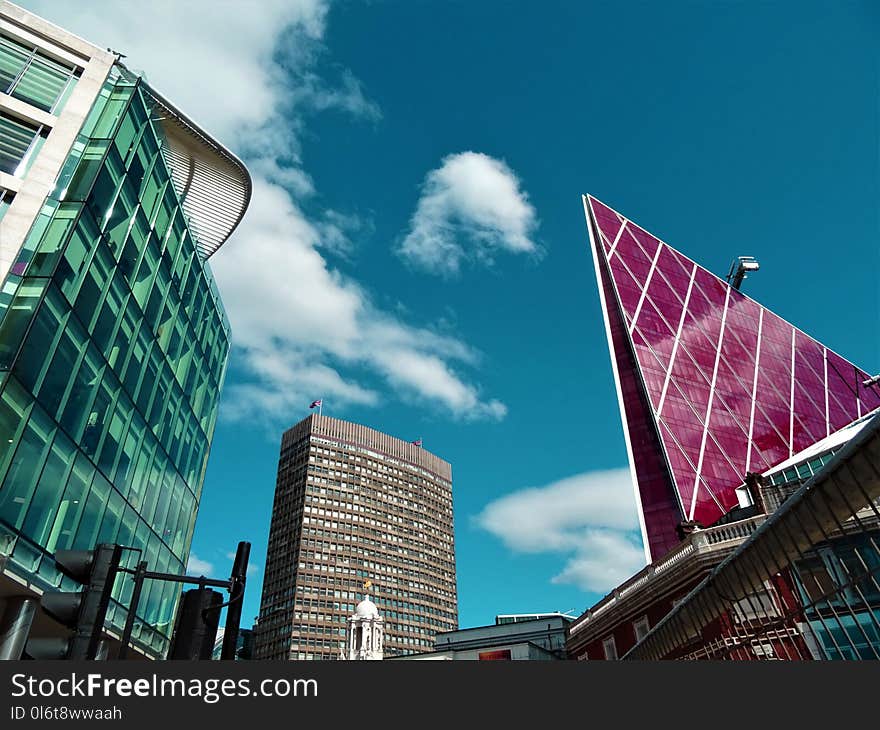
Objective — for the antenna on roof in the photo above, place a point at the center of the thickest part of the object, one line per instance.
(740, 268)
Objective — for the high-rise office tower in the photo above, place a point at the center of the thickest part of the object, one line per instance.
(354, 505)
(113, 339)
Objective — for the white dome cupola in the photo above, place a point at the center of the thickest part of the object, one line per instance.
(365, 630)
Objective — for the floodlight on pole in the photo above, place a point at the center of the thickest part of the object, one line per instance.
(740, 268)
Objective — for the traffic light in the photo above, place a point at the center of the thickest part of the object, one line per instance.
(196, 629)
(82, 611)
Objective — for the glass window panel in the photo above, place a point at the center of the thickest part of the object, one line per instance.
(16, 318)
(13, 59)
(120, 221)
(154, 307)
(42, 83)
(141, 478)
(163, 388)
(102, 195)
(139, 238)
(176, 347)
(153, 188)
(65, 93)
(111, 311)
(179, 253)
(92, 287)
(115, 431)
(137, 168)
(148, 382)
(181, 270)
(46, 499)
(163, 502)
(71, 344)
(189, 291)
(14, 405)
(112, 518)
(127, 528)
(16, 138)
(125, 337)
(90, 521)
(139, 351)
(147, 151)
(99, 415)
(67, 518)
(151, 598)
(54, 240)
(185, 513)
(153, 486)
(27, 463)
(125, 471)
(37, 348)
(90, 162)
(163, 219)
(111, 114)
(169, 524)
(73, 264)
(165, 328)
(6, 197)
(128, 131)
(128, 260)
(82, 390)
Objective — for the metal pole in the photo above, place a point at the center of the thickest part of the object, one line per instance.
(139, 574)
(236, 598)
(15, 626)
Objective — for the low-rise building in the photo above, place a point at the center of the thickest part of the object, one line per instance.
(513, 637)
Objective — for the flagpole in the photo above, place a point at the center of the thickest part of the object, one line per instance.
(321, 407)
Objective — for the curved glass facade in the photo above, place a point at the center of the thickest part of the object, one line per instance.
(113, 350)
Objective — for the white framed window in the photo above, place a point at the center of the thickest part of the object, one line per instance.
(610, 648)
(641, 626)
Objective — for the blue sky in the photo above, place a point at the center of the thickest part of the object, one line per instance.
(416, 252)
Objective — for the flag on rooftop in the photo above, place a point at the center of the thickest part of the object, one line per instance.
(417, 442)
(316, 404)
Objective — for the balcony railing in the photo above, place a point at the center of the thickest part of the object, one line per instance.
(700, 542)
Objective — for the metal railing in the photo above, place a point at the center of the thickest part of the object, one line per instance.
(699, 542)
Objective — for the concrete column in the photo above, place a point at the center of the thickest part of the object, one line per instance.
(16, 625)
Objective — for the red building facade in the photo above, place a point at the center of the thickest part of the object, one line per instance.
(712, 387)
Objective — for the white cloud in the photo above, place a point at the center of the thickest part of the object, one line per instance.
(196, 566)
(471, 206)
(603, 559)
(292, 316)
(213, 58)
(301, 328)
(591, 517)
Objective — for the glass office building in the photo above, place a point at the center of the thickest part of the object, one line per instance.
(113, 338)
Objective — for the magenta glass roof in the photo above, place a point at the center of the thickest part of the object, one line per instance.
(724, 385)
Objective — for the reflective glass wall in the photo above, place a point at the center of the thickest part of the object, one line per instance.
(113, 349)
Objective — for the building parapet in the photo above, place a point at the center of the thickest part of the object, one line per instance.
(704, 542)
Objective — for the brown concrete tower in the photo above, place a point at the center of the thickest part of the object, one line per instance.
(353, 504)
